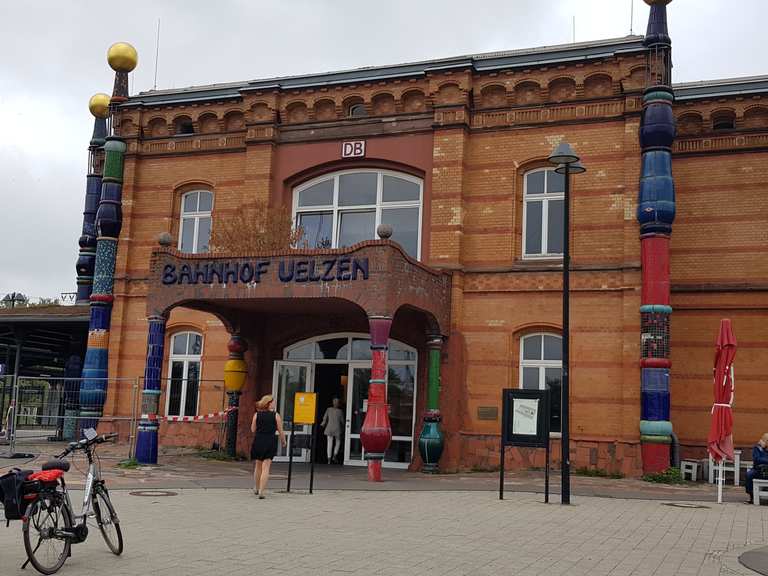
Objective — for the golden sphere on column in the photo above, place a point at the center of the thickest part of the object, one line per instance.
(122, 57)
(99, 105)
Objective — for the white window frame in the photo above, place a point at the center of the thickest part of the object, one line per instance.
(545, 199)
(186, 359)
(541, 365)
(196, 216)
(379, 207)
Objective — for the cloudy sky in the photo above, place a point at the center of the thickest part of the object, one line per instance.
(52, 59)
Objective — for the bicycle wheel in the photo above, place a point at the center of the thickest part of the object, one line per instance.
(47, 531)
(107, 520)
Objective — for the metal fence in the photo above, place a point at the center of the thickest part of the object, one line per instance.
(40, 413)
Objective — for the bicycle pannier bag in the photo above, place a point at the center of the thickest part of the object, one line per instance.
(12, 489)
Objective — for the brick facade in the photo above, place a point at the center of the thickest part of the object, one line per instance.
(471, 136)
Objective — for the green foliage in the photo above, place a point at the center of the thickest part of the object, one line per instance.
(669, 476)
(129, 464)
(597, 473)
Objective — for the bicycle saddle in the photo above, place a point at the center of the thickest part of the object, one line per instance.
(62, 465)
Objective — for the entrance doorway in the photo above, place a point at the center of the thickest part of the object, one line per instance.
(340, 365)
(330, 382)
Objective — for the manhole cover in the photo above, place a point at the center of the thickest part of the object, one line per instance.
(153, 493)
(685, 505)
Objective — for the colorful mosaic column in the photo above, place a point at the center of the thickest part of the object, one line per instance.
(376, 433)
(99, 107)
(146, 438)
(656, 213)
(235, 371)
(109, 221)
(431, 441)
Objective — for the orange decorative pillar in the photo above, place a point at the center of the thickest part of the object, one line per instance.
(376, 433)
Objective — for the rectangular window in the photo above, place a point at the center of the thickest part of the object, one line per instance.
(203, 234)
(555, 219)
(405, 226)
(317, 228)
(553, 377)
(174, 388)
(357, 189)
(187, 235)
(355, 227)
(193, 385)
(533, 213)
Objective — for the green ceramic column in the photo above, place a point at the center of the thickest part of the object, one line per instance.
(431, 441)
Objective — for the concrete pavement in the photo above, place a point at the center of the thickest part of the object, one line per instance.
(229, 531)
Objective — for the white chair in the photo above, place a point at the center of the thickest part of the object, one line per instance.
(727, 466)
(759, 490)
(689, 468)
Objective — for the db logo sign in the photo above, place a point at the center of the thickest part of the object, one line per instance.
(353, 149)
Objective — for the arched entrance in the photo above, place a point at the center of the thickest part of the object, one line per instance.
(339, 365)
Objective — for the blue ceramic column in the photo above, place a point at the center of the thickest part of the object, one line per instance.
(146, 440)
(656, 213)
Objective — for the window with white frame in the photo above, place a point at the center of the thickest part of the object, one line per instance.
(195, 229)
(184, 374)
(544, 199)
(344, 208)
(541, 365)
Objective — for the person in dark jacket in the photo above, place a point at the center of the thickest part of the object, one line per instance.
(759, 458)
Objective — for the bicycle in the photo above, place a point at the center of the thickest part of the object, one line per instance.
(50, 517)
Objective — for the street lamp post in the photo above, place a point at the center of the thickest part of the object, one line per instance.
(567, 163)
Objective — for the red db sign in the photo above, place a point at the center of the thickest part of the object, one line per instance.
(354, 149)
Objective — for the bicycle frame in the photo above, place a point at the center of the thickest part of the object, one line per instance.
(92, 478)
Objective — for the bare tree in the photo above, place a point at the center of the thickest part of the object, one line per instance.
(254, 228)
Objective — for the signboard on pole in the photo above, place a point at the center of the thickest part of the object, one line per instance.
(304, 404)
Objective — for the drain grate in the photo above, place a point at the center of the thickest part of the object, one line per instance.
(686, 505)
(153, 493)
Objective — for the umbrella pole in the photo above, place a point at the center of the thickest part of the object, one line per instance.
(720, 483)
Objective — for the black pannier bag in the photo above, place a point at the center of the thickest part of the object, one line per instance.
(760, 472)
(12, 491)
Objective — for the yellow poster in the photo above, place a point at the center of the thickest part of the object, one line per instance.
(304, 407)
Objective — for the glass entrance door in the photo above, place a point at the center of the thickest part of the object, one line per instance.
(357, 405)
(289, 378)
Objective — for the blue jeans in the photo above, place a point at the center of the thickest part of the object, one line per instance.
(748, 483)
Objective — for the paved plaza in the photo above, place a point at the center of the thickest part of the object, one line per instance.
(229, 531)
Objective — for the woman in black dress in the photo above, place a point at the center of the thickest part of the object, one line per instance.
(264, 425)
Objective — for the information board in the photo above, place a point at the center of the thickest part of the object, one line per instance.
(525, 418)
(304, 407)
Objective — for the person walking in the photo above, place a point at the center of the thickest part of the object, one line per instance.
(333, 422)
(264, 448)
(759, 459)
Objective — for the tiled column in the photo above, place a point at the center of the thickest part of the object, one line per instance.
(431, 440)
(376, 432)
(146, 441)
(235, 371)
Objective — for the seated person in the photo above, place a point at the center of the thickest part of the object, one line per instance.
(759, 458)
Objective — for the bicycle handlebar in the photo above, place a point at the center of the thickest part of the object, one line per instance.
(85, 443)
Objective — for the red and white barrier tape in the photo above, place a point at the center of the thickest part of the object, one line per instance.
(155, 417)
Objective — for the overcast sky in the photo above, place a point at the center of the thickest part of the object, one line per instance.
(52, 59)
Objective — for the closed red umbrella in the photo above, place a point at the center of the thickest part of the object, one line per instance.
(720, 439)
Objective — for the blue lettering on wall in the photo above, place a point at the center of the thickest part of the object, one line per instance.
(341, 269)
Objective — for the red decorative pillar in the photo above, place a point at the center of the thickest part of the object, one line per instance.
(376, 433)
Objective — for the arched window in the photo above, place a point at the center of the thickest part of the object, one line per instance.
(541, 365)
(184, 374)
(357, 111)
(544, 197)
(344, 208)
(195, 229)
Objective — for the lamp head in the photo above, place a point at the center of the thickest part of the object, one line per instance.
(563, 154)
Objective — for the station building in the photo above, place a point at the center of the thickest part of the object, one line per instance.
(431, 217)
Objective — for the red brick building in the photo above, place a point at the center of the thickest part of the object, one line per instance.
(452, 153)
